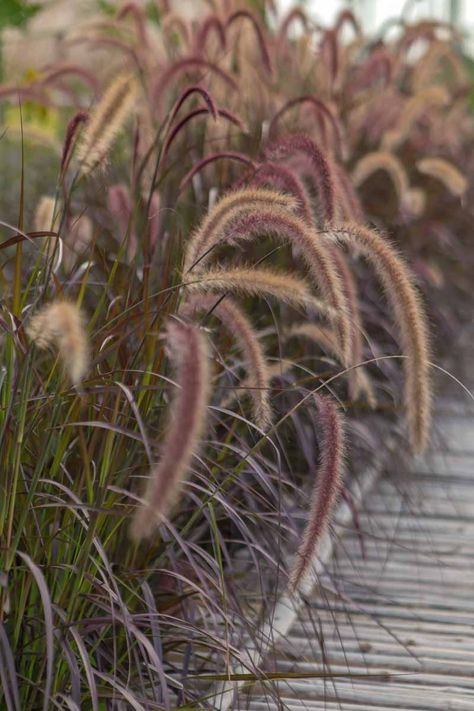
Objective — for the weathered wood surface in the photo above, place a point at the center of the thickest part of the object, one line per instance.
(394, 606)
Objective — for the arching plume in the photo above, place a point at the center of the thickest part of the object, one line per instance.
(241, 329)
(188, 353)
(210, 231)
(287, 147)
(323, 111)
(289, 227)
(188, 65)
(222, 155)
(106, 121)
(326, 488)
(402, 295)
(446, 173)
(390, 164)
(246, 15)
(415, 107)
(251, 281)
(61, 324)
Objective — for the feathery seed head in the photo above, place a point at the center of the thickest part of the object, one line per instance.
(446, 173)
(287, 147)
(411, 320)
(386, 161)
(61, 324)
(325, 491)
(106, 121)
(237, 323)
(187, 349)
(288, 226)
(213, 226)
(251, 281)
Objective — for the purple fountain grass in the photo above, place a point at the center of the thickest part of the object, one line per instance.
(184, 65)
(154, 222)
(181, 124)
(189, 91)
(411, 320)
(325, 491)
(61, 324)
(261, 41)
(106, 121)
(299, 143)
(139, 17)
(325, 337)
(221, 155)
(211, 24)
(389, 163)
(285, 179)
(46, 214)
(379, 64)
(120, 206)
(426, 69)
(347, 17)
(62, 70)
(357, 380)
(189, 355)
(280, 177)
(241, 329)
(415, 107)
(253, 281)
(221, 113)
(324, 112)
(329, 50)
(446, 173)
(73, 128)
(209, 233)
(295, 14)
(348, 200)
(288, 226)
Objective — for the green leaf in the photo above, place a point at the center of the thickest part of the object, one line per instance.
(16, 13)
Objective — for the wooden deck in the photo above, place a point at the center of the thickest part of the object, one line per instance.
(393, 613)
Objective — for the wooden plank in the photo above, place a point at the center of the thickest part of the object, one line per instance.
(400, 604)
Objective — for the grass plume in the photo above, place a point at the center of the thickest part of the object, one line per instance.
(288, 226)
(389, 163)
(106, 122)
(210, 231)
(289, 146)
(446, 173)
(251, 281)
(189, 355)
(411, 320)
(236, 322)
(61, 324)
(326, 489)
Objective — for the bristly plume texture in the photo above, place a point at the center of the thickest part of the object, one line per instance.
(61, 324)
(403, 297)
(258, 282)
(106, 122)
(211, 230)
(326, 489)
(72, 130)
(239, 326)
(386, 161)
(289, 227)
(289, 147)
(446, 173)
(189, 355)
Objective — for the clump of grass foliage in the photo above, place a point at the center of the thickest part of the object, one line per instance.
(205, 299)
